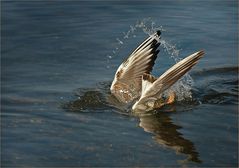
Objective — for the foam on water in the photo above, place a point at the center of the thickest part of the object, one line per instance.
(148, 26)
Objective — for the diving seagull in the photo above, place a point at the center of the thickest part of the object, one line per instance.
(133, 81)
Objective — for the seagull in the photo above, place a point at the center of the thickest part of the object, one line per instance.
(133, 82)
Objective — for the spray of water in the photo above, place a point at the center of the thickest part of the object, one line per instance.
(183, 87)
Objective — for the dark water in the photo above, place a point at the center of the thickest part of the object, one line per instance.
(57, 63)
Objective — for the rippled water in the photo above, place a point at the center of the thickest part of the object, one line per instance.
(57, 63)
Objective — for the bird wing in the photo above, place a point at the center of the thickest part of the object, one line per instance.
(168, 78)
(139, 62)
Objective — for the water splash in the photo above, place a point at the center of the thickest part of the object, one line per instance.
(184, 85)
(182, 88)
(147, 25)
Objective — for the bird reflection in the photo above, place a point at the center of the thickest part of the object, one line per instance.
(165, 132)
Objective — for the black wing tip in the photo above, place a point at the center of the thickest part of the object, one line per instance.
(155, 44)
(158, 32)
(156, 52)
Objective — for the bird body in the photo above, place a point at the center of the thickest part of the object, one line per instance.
(134, 83)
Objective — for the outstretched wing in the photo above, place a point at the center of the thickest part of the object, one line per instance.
(139, 62)
(168, 78)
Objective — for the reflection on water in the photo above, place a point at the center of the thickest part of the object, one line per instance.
(159, 123)
(165, 132)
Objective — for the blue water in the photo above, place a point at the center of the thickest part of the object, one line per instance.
(58, 59)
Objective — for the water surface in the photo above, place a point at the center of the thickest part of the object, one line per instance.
(57, 63)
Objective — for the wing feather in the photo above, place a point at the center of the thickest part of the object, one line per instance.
(172, 75)
(139, 62)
